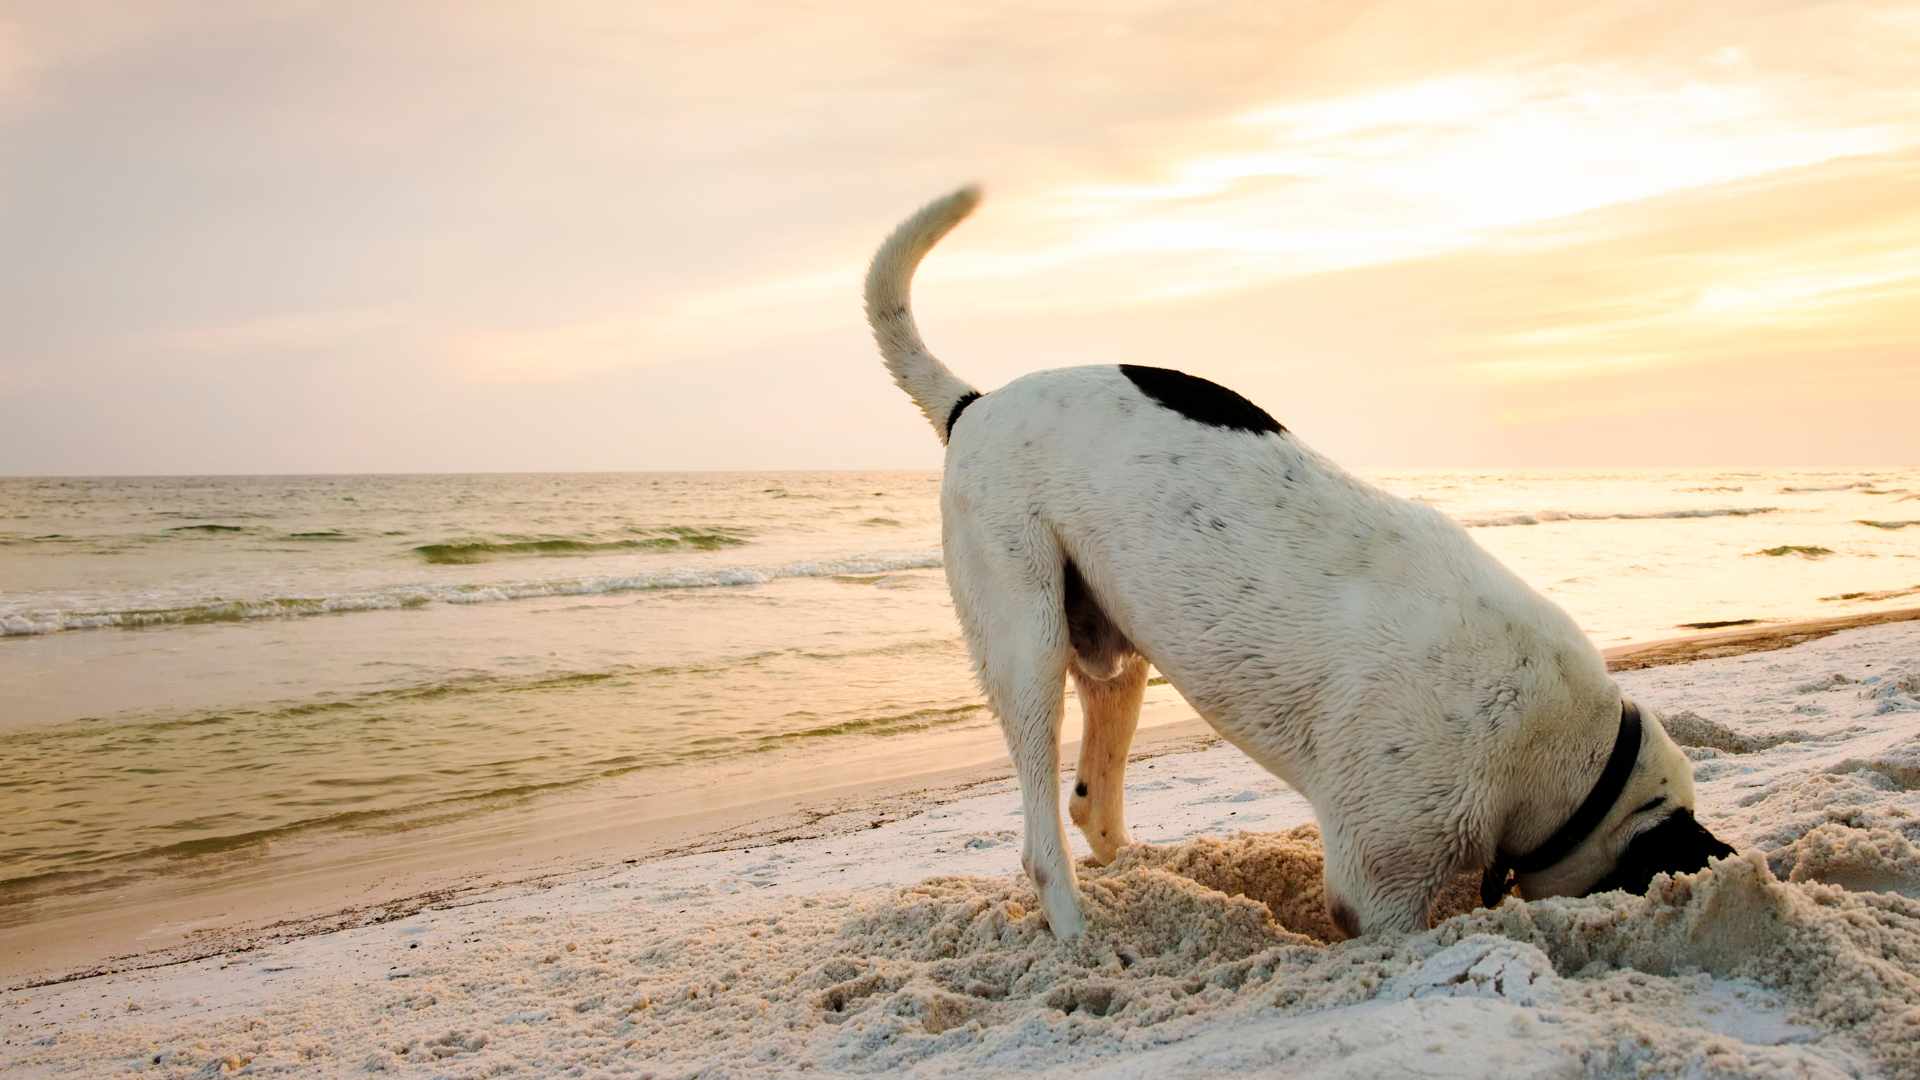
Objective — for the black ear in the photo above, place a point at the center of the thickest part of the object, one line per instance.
(1678, 845)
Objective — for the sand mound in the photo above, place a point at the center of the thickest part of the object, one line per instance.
(1865, 860)
(960, 975)
(1861, 797)
(1281, 871)
(1692, 729)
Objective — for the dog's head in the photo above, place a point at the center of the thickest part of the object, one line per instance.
(1650, 829)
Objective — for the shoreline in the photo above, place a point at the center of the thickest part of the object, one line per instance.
(1758, 637)
(587, 841)
(551, 847)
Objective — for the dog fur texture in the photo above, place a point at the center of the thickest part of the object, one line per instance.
(1432, 708)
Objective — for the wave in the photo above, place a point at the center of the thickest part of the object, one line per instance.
(1544, 517)
(208, 528)
(1888, 524)
(466, 552)
(253, 514)
(413, 596)
(1884, 594)
(904, 723)
(1791, 490)
(93, 871)
(469, 687)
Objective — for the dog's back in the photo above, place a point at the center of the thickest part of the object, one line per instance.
(1277, 592)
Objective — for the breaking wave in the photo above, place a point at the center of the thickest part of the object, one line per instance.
(1543, 517)
(675, 538)
(413, 596)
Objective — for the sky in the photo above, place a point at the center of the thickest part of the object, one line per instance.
(355, 237)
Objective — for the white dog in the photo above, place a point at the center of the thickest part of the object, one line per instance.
(1440, 715)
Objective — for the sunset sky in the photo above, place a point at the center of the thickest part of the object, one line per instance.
(338, 237)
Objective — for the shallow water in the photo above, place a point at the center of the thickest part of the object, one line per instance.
(195, 667)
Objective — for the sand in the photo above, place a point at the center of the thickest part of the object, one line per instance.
(908, 944)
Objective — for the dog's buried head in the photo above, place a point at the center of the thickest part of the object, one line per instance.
(1649, 829)
(1677, 845)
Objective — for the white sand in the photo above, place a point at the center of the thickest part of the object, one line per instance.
(914, 947)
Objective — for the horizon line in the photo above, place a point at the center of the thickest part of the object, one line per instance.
(717, 471)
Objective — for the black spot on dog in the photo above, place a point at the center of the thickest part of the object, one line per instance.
(1678, 845)
(1201, 401)
(959, 407)
(1100, 649)
(1343, 917)
(1080, 789)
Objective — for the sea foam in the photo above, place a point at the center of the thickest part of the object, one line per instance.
(1543, 517)
(410, 596)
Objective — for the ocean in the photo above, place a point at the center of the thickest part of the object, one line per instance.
(205, 679)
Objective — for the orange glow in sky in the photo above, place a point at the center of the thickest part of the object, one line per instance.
(607, 235)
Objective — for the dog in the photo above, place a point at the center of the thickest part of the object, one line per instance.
(1440, 716)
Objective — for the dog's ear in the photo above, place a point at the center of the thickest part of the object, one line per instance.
(1678, 845)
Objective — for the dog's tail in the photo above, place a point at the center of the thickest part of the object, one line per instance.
(939, 392)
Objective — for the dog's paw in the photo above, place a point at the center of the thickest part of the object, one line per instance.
(1069, 930)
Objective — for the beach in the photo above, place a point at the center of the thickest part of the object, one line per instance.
(889, 930)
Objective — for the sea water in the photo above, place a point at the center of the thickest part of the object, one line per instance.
(196, 670)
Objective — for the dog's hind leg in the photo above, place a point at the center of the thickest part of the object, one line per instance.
(1007, 590)
(1110, 676)
(1111, 708)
